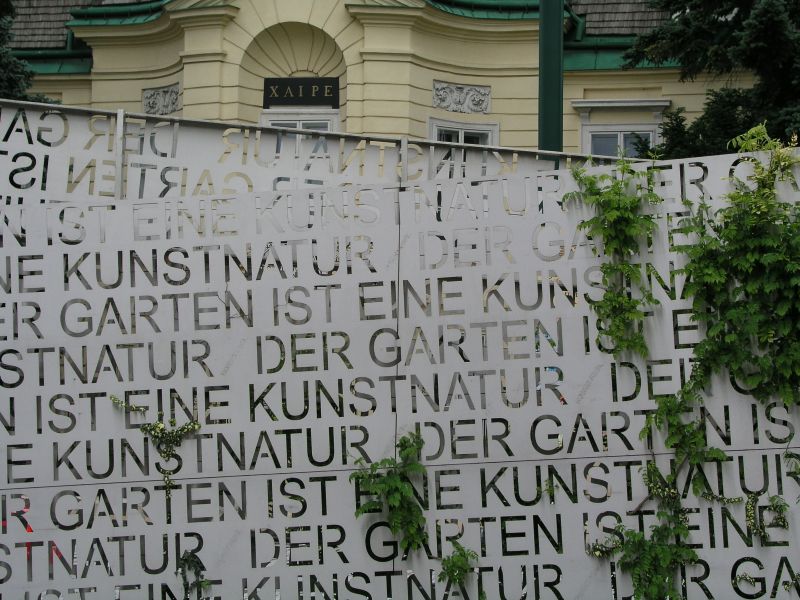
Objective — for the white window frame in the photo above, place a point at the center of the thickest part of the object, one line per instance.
(492, 129)
(588, 130)
(329, 115)
(585, 107)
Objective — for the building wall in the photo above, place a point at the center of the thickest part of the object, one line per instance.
(386, 56)
(637, 84)
(72, 90)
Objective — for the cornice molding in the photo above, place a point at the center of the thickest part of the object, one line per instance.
(175, 5)
(142, 34)
(382, 54)
(136, 73)
(67, 81)
(202, 56)
(424, 18)
(176, 18)
(656, 105)
(205, 16)
(619, 74)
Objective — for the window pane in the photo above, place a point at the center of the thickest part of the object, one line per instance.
(316, 125)
(476, 137)
(447, 135)
(605, 144)
(631, 140)
(315, 120)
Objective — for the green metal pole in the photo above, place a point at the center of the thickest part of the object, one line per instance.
(551, 75)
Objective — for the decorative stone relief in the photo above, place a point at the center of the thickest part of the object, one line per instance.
(459, 98)
(161, 100)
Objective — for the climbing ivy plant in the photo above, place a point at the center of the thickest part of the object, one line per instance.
(653, 560)
(755, 517)
(744, 275)
(190, 562)
(743, 272)
(457, 565)
(792, 462)
(684, 437)
(388, 481)
(618, 199)
(165, 440)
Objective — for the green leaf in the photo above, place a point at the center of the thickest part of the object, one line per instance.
(389, 480)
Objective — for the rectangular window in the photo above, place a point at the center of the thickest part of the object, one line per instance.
(313, 119)
(610, 143)
(481, 134)
(462, 136)
(606, 132)
(315, 125)
(611, 140)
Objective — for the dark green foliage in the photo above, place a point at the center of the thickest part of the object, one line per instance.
(744, 274)
(458, 565)
(727, 112)
(388, 480)
(189, 561)
(725, 37)
(653, 560)
(549, 489)
(685, 435)
(619, 312)
(15, 74)
(618, 199)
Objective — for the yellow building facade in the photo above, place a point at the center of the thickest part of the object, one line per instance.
(455, 71)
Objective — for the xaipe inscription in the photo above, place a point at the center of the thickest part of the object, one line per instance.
(301, 91)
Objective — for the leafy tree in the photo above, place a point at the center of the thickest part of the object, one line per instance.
(15, 74)
(727, 112)
(721, 38)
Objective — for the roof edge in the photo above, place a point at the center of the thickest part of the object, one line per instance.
(116, 14)
(489, 9)
(604, 52)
